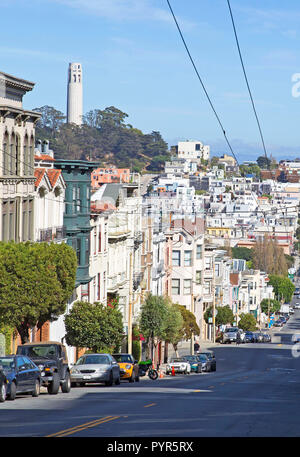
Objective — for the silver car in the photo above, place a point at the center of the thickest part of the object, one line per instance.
(95, 368)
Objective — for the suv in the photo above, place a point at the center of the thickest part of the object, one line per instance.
(51, 358)
(229, 335)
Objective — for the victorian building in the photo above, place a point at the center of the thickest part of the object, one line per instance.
(17, 139)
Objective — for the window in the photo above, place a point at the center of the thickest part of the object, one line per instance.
(187, 258)
(217, 269)
(87, 250)
(175, 286)
(99, 287)
(207, 287)
(198, 277)
(199, 251)
(207, 263)
(187, 287)
(176, 258)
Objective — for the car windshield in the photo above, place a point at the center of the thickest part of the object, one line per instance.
(123, 358)
(191, 358)
(93, 360)
(207, 354)
(176, 360)
(203, 357)
(7, 363)
(47, 351)
(231, 329)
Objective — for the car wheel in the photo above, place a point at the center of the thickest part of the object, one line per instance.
(117, 381)
(111, 380)
(13, 391)
(66, 385)
(54, 385)
(2, 393)
(37, 388)
(137, 379)
(199, 370)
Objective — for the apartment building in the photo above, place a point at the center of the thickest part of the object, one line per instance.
(17, 139)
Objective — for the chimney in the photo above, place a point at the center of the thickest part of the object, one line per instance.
(39, 146)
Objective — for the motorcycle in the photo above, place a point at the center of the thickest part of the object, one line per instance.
(145, 367)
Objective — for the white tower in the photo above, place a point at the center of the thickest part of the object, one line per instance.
(74, 104)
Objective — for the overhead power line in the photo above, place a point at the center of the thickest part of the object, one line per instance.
(246, 79)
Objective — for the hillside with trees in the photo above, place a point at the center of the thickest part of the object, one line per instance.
(104, 137)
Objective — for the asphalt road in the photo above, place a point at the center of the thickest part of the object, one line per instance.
(254, 393)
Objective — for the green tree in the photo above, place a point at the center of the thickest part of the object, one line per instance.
(247, 322)
(263, 162)
(242, 253)
(173, 325)
(50, 121)
(36, 280)
(94, 326)
(224, 315)
(269, 306)
(152, 319)
(282, 286)
(190, 326)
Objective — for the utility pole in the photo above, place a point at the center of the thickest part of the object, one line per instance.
(130, 305)
(214, 303)
(193, 311)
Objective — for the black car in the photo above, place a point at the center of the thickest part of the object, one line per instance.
(3, 385)
(205, 362)
(211, 356)
(22, 374)
(51, 358)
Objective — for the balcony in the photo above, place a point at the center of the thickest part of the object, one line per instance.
(52, 234)
(137, 279)
(115, 282)
(138, 239)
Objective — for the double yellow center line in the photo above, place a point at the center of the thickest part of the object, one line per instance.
(79, 428)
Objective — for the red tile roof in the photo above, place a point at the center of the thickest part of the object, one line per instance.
(44, 157)
(39, 173)
(53, 176)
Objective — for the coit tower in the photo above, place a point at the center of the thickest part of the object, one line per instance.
(74, 101)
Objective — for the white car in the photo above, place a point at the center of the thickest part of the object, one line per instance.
(180, 366)
(297, 306)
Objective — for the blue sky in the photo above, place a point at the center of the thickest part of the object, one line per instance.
(133, 59)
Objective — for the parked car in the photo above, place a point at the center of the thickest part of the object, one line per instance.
(267, 338)
(249, 337)
(278, 323)
(260, 337)
(255, 337)
(3, 385)
(297, 305)
(292, 311)
(211, 356)
(22, 374)
(180, 366)
(129, 368)
(206, 363)
(95, 368)
(193, 360)
(229, 335)
(51, 358)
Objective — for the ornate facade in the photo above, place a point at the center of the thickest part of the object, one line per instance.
(17, 139)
